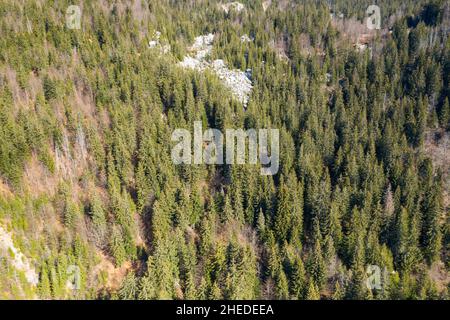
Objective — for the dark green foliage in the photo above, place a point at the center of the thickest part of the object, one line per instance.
(88, 115)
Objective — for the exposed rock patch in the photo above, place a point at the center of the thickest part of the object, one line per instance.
(266, 4)
(236, 80)
(437, 147)
(17, 259)
(156, 43)
(246, 38)
(236, 6)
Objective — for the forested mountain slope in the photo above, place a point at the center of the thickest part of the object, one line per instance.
(91, 199)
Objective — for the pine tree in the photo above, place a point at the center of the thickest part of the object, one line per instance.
(283, 215)
(282, 287)
(313, 292)
(44, 284)
(129, 288)
(338, 293)
(431, 234)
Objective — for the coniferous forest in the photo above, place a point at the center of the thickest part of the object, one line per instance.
(93, 207)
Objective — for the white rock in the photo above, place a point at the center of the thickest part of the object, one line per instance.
(191, 63)
(237, 81)
(155, 43)
(18, 260)
(203, 42)
(246, 38)
(237, 6)
(266, 4)
(361, 47)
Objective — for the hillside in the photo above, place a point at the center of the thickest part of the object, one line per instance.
(92, 205)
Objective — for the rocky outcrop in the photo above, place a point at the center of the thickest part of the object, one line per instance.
(16, 258)
(237, 81)
(236, 6)
(155, 43)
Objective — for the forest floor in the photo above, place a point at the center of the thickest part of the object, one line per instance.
(437, 147)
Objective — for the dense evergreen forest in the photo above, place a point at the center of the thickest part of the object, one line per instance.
(87, 183)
